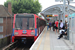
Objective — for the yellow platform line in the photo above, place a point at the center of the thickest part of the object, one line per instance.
(40, 41)
(47, 41)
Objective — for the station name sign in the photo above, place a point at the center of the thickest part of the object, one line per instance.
(49, 16)
(54, 16)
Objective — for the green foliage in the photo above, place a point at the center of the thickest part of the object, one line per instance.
(24, 6)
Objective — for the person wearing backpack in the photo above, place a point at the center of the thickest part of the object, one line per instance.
(56, 26)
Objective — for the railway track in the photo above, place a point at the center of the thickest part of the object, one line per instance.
(18, 46)
(11, 46)
(23, 46)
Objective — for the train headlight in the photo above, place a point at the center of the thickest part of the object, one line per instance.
(32, 33)
(16, 33)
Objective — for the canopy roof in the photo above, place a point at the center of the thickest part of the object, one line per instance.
(58, 9)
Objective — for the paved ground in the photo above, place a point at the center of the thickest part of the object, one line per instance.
(48, 40)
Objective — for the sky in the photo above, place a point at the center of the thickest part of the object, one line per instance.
(45, 3)
(2, 2)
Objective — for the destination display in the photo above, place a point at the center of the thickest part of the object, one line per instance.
(49, 15)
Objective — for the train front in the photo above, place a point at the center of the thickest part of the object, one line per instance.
(23, 27)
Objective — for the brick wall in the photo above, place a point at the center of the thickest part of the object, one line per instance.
(10, 8)
(7, 28)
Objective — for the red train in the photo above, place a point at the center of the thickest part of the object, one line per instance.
(27, 26)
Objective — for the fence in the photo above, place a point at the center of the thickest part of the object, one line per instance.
(5, 41)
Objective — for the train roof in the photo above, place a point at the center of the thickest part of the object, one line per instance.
(29, 14)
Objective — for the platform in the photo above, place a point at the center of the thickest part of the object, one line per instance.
(48, 40)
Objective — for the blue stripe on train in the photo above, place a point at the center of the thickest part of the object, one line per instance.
(35, 31)
(12, 34)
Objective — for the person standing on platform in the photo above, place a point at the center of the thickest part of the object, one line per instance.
(61, 24)
(47, 25)
(53, 25)
(50, 24)
(56, 26)
(65, 23)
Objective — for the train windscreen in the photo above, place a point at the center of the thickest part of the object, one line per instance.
(24, 22)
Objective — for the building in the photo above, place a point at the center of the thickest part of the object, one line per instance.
(6, 19)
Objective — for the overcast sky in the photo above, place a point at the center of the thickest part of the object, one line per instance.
(44, 3)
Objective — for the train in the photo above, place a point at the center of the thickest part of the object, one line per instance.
(27, 26)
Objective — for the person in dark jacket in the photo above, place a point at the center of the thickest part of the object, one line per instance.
(53, 25)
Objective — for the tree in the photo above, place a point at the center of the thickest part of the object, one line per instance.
(24, 6)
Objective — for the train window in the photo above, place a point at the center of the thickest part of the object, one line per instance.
(24, 22)
(17, 25)
(31, 23)
(38, 22)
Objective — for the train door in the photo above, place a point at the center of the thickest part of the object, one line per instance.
(38, 26)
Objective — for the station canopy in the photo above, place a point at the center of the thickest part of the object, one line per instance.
(57, 9)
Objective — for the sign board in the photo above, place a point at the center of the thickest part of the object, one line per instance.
(49, 15)
(60, 0)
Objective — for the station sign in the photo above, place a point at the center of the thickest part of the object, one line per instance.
(54, 15)
(49, 15)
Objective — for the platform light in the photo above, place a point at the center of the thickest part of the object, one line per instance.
(16, 33)
(32, 33)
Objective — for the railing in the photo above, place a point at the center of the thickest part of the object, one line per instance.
(5, 41)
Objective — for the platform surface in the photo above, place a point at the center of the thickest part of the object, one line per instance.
(48, 40)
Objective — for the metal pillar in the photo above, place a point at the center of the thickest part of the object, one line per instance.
(68, 22)
(64, 3)
(59, 20)
(60, 17)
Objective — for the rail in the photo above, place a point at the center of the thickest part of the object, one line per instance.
(10, 46)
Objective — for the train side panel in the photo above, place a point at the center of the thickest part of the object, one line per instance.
(13, 28)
